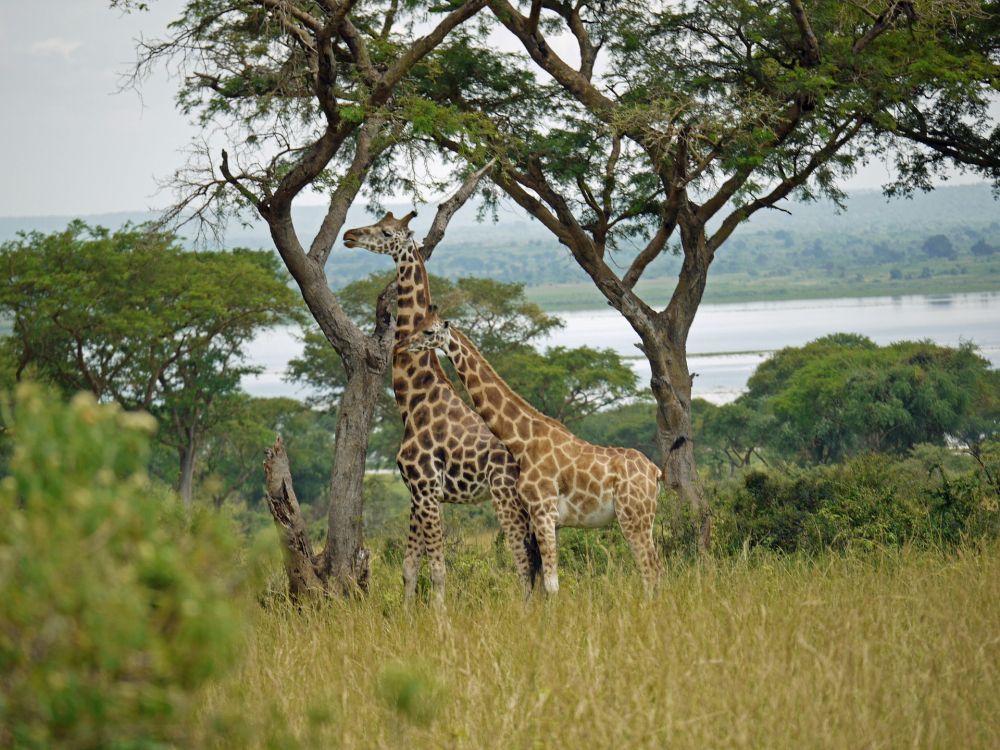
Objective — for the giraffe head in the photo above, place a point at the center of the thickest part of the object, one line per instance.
(388, 236)
(431, 333)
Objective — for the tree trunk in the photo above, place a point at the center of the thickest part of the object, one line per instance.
(300, 562)
(345, 559)
(671, 386)
(671, 381)
(343, 566)
(187, 454)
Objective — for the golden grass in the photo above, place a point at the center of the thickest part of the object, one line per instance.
(894, 649)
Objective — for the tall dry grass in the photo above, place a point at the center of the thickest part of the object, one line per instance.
(897, 648)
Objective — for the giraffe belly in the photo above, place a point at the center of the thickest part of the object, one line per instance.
(586, 512)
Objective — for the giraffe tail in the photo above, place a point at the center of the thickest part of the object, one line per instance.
(534, 558)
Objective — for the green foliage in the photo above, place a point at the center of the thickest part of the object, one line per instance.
(931, 497)
(115, 605)
(133, 318)
(939, 246)
(730, 436)
(245, 427)
(841, 395)
(569, 384)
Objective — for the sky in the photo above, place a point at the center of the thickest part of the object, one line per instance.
(71, 142)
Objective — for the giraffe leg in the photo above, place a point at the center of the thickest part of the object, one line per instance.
(414, 553)
(545, 531)
(539, 497)
(424, 515)
(636, 510)
(516, 525)
(434, 546)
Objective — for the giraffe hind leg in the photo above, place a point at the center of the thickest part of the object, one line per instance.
(635, 507)
(516, 525)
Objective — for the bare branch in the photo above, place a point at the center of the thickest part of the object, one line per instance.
(232, 180)
(448, 209)
(648, 254)
(575, 82)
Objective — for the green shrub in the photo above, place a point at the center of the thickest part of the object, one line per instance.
(933, 496)
(115, 604)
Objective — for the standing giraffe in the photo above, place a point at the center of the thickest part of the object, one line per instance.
(565, 481)
(448, 454)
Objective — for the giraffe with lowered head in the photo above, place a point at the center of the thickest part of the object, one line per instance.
(565, 481)
(447, 454)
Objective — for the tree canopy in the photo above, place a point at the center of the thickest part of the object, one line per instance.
(133, 318)
(842, 395)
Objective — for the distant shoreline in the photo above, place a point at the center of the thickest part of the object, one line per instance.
(556, 298)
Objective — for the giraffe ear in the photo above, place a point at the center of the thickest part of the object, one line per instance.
(446, 324)
(406, 219)
(388, 215)
(432, 308)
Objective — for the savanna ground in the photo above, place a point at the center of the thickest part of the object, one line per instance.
(875, 648)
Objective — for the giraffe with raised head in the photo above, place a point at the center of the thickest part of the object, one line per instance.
(447, 454)
(565, 481)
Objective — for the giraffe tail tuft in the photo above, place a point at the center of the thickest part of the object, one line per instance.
(534, 558)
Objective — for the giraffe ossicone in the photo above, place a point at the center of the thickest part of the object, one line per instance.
(564, 481)
(447, 454)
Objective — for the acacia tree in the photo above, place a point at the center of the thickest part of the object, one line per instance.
(133, 318)
(671, 123)
(307, 96)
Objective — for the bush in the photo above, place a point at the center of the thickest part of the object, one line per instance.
(932, 497)
(115, 604)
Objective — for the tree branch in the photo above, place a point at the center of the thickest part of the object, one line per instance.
(365, 154)
(448, 209)
(232, 180)
(841, 135)
(810, 45)
(884, 20)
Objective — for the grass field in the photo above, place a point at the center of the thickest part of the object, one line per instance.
(887, 649)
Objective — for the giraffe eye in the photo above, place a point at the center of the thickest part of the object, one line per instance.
(427, 333)
(386, 233)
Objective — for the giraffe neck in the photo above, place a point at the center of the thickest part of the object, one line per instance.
(506, 413)
(412, 374)
(414, 294)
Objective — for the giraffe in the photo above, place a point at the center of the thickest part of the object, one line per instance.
(565, 481)
(447, 453)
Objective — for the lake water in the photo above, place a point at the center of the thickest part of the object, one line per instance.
(728, 341)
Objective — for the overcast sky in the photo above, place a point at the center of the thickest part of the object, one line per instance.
(69, 143)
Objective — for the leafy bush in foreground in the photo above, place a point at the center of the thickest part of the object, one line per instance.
(114, 604)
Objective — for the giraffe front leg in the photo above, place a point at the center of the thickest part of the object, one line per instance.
(412, 557)
(545, 531)
(540, 497)
(429, 512)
